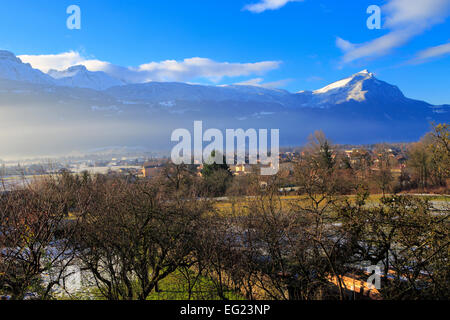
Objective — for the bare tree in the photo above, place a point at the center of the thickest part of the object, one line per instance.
(33, 239)
(132, 236)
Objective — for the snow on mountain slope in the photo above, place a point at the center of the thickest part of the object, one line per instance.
(171, 91)
(361, 92)
(59, 115)
(79, 76)
(12, 68)
(360, 87)
(351, 88)
(335, 85)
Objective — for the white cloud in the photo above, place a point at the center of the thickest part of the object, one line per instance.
(344, 45)
(203, 68)
(380, 46)
(403, 13)
(58, 62)
(405, 19)
(168, 70)
(433, 52)
(264, 5)
(259, 82)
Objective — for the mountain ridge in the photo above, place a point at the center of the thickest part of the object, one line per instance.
(358, 87)
(356, 110)
(79, 76)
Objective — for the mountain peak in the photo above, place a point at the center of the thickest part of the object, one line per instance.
(79, 76)
(12, 68)
(365, 74)
(348, 83)
(78, 68)
(358, 87)
(365, 71)
(69, 72)
(8, 56)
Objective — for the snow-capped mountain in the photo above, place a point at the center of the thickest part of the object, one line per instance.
(361, 87)
(12, 68)
(80, 77)
(349, 88)
(77, 109)
(171, 91)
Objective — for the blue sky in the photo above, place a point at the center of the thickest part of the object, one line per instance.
(295, 45)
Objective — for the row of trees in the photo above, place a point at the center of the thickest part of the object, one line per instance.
(421, 167)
